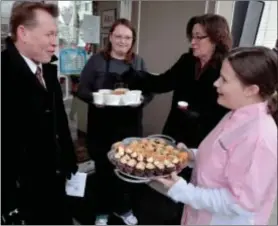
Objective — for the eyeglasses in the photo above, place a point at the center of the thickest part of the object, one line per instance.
(198, 38)
(120, 37)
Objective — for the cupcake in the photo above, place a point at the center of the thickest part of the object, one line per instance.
(140, 169)
(134, 155)
(159, 169)
(140, 157)
(128, 150)
(175, 160)
(166, 162)
(150, 148)
(150, 169)
(160, 150)
(177, 163)
(169, 148)
(160, 146)
(160, 157)
(150, 159)
(169, 168)
(183, 155)
(120, 150)
(122, 164)
(160, 141)
(133, 146)
(117, 157)
(127, 157)
(156, 162)
(175, 152)
(130, 166)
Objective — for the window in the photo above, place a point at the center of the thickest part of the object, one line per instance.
(267, 33)
(5, 17)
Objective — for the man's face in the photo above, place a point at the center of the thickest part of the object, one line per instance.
(40, 40)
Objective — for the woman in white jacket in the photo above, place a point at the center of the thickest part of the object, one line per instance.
(234, 180)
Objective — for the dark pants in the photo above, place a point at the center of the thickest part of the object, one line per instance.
(46, 204)
(113, 194)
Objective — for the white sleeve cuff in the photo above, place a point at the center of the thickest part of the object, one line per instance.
(209, 199)
(193, 151)
(177, 190)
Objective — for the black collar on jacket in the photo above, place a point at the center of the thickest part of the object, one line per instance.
(21, 68)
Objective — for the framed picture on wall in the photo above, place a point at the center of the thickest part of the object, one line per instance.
(108, 17)
(104, 39)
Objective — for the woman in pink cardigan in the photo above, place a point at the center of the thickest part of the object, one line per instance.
(235, 168)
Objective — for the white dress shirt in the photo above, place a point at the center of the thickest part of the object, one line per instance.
(33, 67)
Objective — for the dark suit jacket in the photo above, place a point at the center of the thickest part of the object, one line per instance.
(37, 144)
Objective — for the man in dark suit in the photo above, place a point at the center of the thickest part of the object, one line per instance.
(37, 150)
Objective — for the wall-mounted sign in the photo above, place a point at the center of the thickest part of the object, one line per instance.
(72, 61)
(91, 29)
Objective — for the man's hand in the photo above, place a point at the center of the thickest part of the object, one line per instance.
(168, 182)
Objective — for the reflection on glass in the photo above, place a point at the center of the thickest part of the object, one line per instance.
(70, 20)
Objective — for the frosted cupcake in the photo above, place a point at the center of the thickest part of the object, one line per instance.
(150, 169)
(169, 168)
(130, 166)
(140, 157)
(175, 160)
(122, 164)
(116, 158)
(128, 150)
(169, 148)
(183, 157)
(140, 169)
(159, 168)
(150, 159)
(120, 150)
(134, 155)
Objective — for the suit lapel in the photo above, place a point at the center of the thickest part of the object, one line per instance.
(47, 76)
(21, 67)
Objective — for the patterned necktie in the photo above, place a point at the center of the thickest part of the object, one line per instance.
(39, 76)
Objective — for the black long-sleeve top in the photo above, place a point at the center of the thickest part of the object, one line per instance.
(187, 84)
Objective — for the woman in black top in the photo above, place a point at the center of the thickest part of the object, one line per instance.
(191, 78)
(107, 125)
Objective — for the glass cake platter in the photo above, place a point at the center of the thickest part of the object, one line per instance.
(123, 171)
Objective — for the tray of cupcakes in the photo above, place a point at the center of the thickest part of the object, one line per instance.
(139, 160)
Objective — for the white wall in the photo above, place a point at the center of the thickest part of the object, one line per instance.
(226, 9)
(267, 33)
